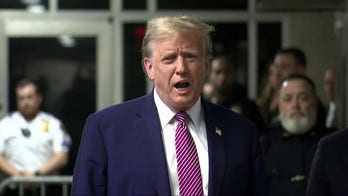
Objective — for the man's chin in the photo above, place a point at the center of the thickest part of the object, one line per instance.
(28, 113)
(296, 126)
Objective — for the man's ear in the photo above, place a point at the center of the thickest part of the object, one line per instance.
(207, 67)
(148, 68)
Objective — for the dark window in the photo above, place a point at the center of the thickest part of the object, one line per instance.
(134, 77)
(21, 4)
(203, 4)
(84, 4)
(269, 41)
(134, 4)
(231, 39)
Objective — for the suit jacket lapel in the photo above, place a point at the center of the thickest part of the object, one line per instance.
(216, 150)
(149, 131)
(150, 136)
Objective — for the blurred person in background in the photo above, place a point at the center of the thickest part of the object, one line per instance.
(330, 95)
(268, 99)
(207, 90)
(289, 146)
(32, 142)
(229, 93)
(292, 60)
(289, 61)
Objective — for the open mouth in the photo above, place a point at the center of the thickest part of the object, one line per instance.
(182, 85)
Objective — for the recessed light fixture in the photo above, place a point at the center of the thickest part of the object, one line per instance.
(67, 41)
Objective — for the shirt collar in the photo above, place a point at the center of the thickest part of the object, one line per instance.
(166, 114)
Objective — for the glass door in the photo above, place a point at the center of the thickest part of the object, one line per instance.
(71, 62)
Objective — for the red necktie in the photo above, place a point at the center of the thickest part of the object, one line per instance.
(189, 172)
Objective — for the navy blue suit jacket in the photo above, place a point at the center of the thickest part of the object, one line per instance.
(329, 175)
(122, 153)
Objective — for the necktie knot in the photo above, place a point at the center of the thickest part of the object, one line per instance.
(181, 117)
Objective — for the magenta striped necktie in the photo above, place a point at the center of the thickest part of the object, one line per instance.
(189, 172)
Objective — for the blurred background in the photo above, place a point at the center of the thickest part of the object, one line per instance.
(86, 53)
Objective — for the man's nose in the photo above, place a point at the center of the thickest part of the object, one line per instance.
(295, 103)
(181, 65)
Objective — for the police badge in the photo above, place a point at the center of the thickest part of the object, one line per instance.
(26, 132)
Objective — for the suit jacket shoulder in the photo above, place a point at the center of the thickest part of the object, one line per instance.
(337, 138)
(235, 158)
(225, 117)
(124, 109)
(329, 174)
(121, 152)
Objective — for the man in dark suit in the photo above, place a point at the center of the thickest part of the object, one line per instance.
(329, 174)
(136, 148)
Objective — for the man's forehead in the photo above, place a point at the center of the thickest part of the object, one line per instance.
(295, 85)
(27, 86)
(27, 89)
(174, 44)
(284, 59)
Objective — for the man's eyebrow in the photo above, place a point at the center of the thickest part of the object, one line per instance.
(168, 55)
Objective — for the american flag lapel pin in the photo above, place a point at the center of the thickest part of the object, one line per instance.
(218, 131)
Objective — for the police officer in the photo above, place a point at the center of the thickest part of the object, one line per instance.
(289, 146)
(32, 142)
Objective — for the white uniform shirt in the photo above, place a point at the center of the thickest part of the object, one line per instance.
(30, 152)
(198, 132)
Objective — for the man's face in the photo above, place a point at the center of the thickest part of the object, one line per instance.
(28, 101)
(329, 84)
(297, 106)
(178, 67)
(274, 78)
(287, 65)
(222, 74)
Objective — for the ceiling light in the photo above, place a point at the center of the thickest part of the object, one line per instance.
(67, 41)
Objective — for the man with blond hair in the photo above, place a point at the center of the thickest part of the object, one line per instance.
(171, 141)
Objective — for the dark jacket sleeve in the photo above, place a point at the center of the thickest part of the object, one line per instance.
(318, 184)
(89, 175)
(260, 183)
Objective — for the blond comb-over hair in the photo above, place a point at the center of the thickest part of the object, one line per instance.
(170, 27)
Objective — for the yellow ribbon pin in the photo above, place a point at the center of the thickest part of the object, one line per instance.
(45, 125)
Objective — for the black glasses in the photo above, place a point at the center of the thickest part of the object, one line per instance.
(26, 132)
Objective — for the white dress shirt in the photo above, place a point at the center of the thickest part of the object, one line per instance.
(331, 115)
(198, 132)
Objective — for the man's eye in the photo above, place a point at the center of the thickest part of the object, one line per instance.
(304, 98)
(168, 60)
(191, 58)
(286, 99)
